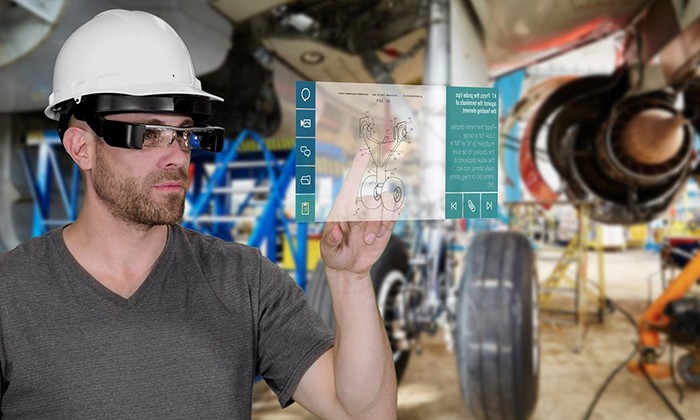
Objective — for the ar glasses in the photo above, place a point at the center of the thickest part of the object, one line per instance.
(138, 136)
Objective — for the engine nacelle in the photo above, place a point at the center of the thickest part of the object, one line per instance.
(626, 155)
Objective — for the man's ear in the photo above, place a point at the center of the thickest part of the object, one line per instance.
(80, 145)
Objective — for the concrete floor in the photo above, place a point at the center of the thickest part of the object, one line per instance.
(568, 379)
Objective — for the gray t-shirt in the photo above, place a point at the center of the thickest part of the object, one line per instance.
(187, 344)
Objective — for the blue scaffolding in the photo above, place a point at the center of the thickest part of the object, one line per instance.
(210, 205)
(212, 209)
(46, 171)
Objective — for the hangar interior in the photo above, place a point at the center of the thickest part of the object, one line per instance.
(578, 297)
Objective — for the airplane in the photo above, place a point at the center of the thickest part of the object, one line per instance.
(623, 142)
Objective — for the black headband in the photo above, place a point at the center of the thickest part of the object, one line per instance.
(196, 107)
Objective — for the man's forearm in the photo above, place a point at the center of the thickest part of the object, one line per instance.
(365, 379)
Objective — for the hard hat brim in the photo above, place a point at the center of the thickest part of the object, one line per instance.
(53, 110)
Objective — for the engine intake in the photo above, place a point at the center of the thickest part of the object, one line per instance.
(627, 155)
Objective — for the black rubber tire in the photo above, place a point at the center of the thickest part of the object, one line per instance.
(497, 335)
(394, 260)
(688, 369)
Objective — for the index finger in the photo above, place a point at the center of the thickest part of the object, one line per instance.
(351, 184)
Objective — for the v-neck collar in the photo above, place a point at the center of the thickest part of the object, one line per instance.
(87, 281)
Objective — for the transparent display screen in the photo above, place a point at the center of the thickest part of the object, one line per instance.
(409, 152)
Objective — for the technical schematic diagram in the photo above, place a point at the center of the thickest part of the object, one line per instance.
(378, 152)
(382, 185)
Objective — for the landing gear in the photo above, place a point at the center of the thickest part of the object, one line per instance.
(497, 335)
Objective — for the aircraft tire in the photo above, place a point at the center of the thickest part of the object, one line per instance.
(497, 341)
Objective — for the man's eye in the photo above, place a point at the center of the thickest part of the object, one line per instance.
(151, 136)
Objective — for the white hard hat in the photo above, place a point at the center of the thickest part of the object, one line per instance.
(124, 53)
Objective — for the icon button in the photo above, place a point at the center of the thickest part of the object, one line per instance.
(306, 94)
(472, 204)
(489, 205)
(305, 122)
(453, 206)
(305, 151)
(305, 208)
(305, 179)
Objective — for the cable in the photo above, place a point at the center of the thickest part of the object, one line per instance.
(671, 363)
(676, 385)
(617, 370)
(624, 312)
(607, 382)
(649, 286)
(614, 373)
(660, 393)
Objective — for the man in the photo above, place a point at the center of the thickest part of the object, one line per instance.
(124, 314)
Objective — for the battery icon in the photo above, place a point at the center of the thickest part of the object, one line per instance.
(305, 208)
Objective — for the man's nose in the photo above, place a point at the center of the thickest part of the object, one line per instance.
(175, 156)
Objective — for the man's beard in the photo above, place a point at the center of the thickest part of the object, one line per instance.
(131, 200)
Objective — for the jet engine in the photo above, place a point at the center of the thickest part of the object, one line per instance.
(626, 154)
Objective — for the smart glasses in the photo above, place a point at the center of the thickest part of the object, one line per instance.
(138, 136)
